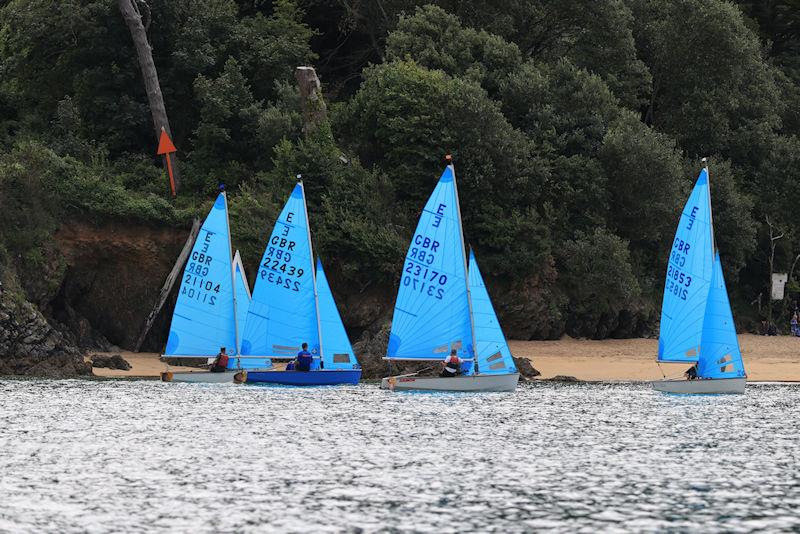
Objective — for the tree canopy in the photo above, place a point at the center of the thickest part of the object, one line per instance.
(576, 127)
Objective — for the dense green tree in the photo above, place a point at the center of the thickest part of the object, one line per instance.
(647, 188)
(597, 275)
(712, 88)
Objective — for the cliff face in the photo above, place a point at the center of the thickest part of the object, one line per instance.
(113, 275)
(101, 283)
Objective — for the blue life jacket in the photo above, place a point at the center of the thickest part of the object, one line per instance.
(304, 360)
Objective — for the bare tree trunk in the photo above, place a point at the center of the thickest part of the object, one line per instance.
(772, 239)
(314, 110)
(168, 283)
(130, 12)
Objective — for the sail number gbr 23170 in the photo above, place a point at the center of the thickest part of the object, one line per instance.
(416, 275)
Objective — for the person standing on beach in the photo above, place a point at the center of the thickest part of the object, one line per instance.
(304, 359)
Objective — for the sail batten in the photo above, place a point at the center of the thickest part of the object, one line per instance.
(204, 318)
(688, 279)
(432, 309)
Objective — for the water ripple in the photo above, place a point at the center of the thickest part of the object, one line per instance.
(103, 456)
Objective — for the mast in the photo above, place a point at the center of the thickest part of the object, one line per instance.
(704, 161)
(449, 159)
(311, 259)
(233, 277)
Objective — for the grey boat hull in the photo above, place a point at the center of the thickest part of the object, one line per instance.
(701, 386)
(205, 377)
(475, 383)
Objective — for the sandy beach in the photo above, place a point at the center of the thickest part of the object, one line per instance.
(766, 359)
(775, 358)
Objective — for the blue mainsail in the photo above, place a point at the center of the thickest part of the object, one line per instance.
(337, 353)
(493, 354)
(720, 356)
(283, 313)
(203, 319)
(688, 279)
(431, 314)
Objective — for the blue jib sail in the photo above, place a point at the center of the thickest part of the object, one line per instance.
(720, 356)
(493, 354)
(203, 319)
(243, 298)
(431, 314)
(283, 313)
(688, 279)
(337, 353)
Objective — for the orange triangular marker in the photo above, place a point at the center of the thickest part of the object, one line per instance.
(165, 145)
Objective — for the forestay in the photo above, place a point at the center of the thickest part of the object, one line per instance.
(687, 279)
(720, 356)
(431, 314)
(203, 319)
(243, 298)
(337, 353)
(283, 313)
(493, 354)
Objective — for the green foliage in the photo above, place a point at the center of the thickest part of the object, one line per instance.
(436, 39)
(712, 88)
(596, 272)
(647, 188)
(575, 126)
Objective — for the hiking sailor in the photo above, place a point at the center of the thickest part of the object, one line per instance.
(220, 363)
(452, 365)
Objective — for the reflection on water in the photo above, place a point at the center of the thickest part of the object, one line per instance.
(103, 456)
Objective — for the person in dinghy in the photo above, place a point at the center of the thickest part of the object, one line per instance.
(304, 359)
(220, 364)
(451, 366)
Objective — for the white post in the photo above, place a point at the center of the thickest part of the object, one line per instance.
(710, 214)
(233, 280)
(313, 266)
(466, 271)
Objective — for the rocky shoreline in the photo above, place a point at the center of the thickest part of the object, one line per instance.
(30, 346)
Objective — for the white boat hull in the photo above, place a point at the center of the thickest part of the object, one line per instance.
(203, 377)
(505, 382)
(701, 386)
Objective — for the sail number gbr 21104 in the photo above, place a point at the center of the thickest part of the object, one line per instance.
(195, 285)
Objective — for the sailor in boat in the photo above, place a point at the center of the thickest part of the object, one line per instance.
(452, 365)
(304, 359)
(220, 363)
(691, 372)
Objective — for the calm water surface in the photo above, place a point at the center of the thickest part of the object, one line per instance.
(102, 456)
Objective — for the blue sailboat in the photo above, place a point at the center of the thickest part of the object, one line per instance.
(292, 304)
(442, 305)
(696, 319)
(205, 316)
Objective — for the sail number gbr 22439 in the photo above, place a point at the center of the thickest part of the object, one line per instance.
(277, 267)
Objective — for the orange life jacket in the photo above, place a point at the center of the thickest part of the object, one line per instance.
(222, 360)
